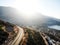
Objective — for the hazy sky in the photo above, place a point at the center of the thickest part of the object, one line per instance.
(45, 7)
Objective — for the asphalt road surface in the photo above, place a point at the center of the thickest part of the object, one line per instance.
(18, 38)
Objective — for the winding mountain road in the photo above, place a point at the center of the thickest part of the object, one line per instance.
(18, 38)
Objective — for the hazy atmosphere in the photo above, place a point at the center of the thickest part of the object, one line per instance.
(30, 7)
(29, 22)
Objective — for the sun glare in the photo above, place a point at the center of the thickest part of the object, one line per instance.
(26, 6)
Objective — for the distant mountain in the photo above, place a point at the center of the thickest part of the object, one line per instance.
(9, 14)
(12, 15)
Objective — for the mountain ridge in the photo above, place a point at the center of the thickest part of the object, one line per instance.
(11, 15)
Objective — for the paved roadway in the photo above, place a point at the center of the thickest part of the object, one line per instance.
(18, 38)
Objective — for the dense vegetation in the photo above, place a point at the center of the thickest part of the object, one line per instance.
(34, 38)
(5, 27)
(3, 35)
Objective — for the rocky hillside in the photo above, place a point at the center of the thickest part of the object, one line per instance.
(6, 32)
(32, 37)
